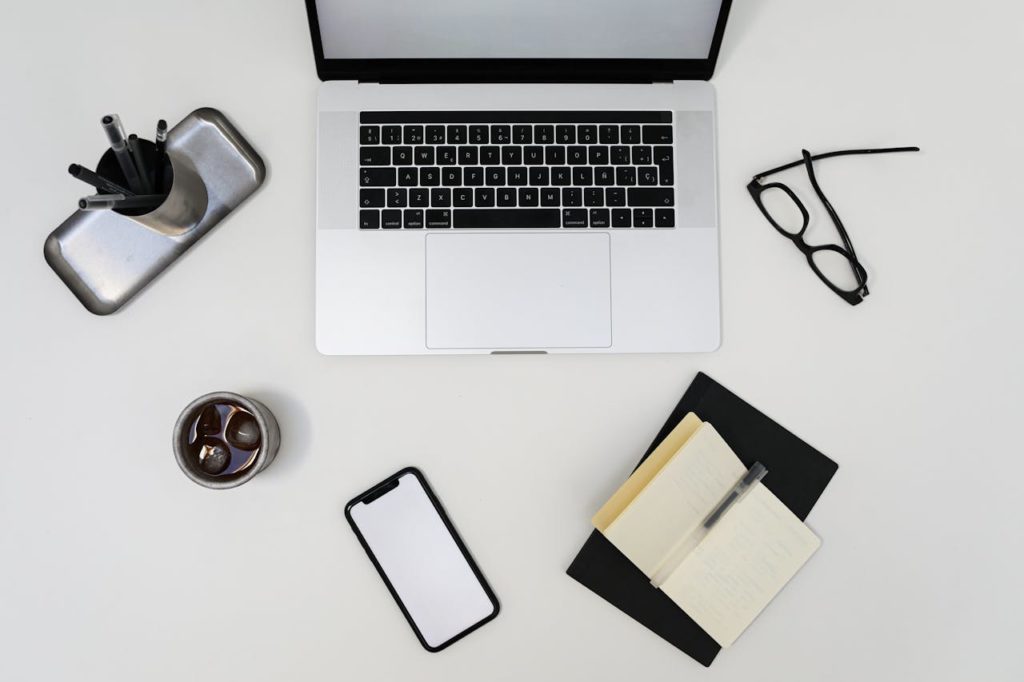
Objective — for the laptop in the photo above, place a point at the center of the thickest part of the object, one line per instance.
(516, 177)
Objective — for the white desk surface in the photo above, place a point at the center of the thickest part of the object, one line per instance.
(113, 566)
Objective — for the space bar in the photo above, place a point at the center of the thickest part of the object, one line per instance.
(471, 218)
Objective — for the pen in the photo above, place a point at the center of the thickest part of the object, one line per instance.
(755, 474)
(97, 181)
(115, 133)
(140, 163)
(99, 201)
(161, 145)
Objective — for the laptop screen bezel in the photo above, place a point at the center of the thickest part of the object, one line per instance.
(515, 70)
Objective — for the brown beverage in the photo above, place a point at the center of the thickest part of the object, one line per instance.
(224, 439)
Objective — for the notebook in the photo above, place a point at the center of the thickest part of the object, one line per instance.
(722, 576)
(799, 475)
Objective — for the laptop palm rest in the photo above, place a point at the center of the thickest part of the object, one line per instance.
(518, 291)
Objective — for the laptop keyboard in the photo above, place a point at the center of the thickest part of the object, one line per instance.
(521, 169)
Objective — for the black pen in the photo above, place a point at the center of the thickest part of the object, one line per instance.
(140, 163)
(115, 133)
(97, 181)
(99, 201)
(161, 145)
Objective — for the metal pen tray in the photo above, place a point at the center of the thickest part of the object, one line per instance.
(106, 258)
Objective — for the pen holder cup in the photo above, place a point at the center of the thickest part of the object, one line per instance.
(186, 201)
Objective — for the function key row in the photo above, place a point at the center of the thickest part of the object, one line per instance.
(499, 134)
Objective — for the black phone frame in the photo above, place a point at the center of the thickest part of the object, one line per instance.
(381, 489)
(515, 70)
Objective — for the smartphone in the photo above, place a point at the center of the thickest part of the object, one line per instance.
(421, 558)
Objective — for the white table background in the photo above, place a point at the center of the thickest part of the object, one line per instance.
(113, 566)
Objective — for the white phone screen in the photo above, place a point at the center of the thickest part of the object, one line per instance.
(433, 580)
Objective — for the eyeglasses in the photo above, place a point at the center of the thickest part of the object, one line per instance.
(835, 265)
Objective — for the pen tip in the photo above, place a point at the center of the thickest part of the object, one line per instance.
(81, 203)
(107, 120)
(73, 168)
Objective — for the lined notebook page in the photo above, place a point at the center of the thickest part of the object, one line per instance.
(739, 567)
(676, 501)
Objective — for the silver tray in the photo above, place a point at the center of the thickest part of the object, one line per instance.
(106, 258)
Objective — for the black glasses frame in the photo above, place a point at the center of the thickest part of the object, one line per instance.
(757, 188)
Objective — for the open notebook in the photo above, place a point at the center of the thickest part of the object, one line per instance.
(722, 577)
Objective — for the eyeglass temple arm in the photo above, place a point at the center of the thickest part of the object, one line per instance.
(845, 152)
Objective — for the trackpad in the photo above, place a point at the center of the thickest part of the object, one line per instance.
(519, 291)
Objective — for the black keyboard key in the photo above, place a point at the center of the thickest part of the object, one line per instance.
(369, 134)
(561, 176)
(440, 218)
(544, 134)
(391, 134)
(501, 134)
(630, 135)
(424, 156)
(478, 135)
(572, 196)
(517, 175)
(391, 220)
(597, 155)
(511, 155)
(607, 134)
(620, 155)
(468, 156)
(663, 156)
(440, 197)
(447, 156)
(664, 217)
(495, 177)
(550, 196)
(419, 197)
(413, 218)
(507, 218)
(401, 156)
(622, 217)
(377, 177)
(625, 175)
(641, 155)
(574, 217)
(528, 196)
(651, 196)
(583, 176)
(485, 196)
(413, 135)
(398, 197)
(456, 134)
(533, 155)
(451, 176)
(539, 176)
(435, 134)
(657, 135)
(648, 175)
(369, 220)
(462, 196)
(371, 198)
(604, 175)
(554, 155)
(430, 176)
(643, 217)
(599, 217)
(577, 155)
(473, 176)
(408, 177)
(522, 134)
(375, 156)
(565, 134)
(593, 196)
(490, 156)
(506, 196)
(615, 196)
(587, 134)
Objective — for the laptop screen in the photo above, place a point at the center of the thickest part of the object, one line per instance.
(517, 29)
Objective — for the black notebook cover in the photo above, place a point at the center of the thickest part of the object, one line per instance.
(797, 474)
